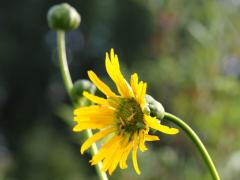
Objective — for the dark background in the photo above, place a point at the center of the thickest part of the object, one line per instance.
(187, 51)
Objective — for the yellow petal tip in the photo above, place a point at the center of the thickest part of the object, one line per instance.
(75, 129)
(82, 151)
(112, 50)
(138, 172)
(174, 131)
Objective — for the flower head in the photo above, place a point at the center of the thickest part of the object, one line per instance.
(120, 116)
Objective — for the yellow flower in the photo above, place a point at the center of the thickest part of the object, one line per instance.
(120, 117)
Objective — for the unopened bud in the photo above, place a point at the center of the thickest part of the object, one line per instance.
(77, 91)
(63, 17)
(156, 108)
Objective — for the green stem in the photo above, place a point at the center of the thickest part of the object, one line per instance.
(63, 61)
(193, 136)
(69, 85)
(94, 150)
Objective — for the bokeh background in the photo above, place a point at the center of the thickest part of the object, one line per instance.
(187, 51)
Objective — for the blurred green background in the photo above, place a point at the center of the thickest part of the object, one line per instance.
(187, 51)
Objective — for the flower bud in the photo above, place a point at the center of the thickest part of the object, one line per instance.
(63, 17)
(156, 108)
(77, 91)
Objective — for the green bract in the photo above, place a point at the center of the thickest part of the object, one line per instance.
(77, 91)
(155, 107)
(63, 17)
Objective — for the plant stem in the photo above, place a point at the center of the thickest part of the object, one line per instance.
(69, 85)
(63, 62)
(94, 150)
(196, 140)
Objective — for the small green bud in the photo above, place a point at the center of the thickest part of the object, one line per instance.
(156, 108)
(77, 91)
(63, 17)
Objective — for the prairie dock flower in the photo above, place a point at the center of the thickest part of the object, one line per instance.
(120, 117)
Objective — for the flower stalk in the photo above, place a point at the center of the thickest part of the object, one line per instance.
(69, 85)
(63, 61)
(196, 140)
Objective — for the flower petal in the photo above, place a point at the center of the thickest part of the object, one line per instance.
(151, 137)
(94, 110)
(100, 84)
(142, 146)
(90, 125)
(134, 156)
(114, 58)
(123, 164)
(113, 70)
(153, 123)
(104, 151)
(118, 155)
(110, 158)
(134, 83)
(99, 135)
(95, 99)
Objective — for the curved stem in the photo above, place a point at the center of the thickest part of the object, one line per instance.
(63, 62)
(69, 85)
(193, 136)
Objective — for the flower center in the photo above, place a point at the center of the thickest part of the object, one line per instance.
(130, 116)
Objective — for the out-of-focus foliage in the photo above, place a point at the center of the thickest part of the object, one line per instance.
(187, 51)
